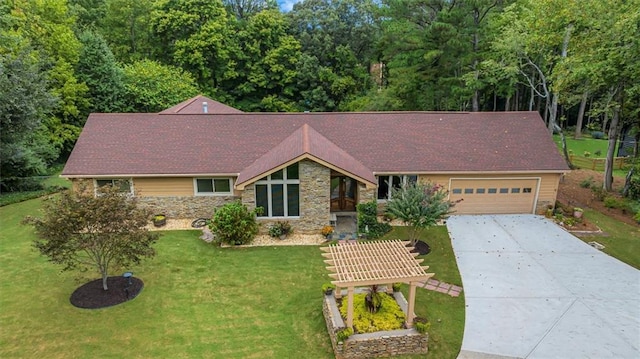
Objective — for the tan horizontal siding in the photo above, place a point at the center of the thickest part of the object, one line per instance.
(167, 186)
(549, 187)
(163, 186)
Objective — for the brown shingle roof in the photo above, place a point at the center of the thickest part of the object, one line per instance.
(305, 142)
(195, 106)
(383, 142)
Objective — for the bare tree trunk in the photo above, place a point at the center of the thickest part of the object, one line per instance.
(475, 106)
(532, 98)
(104, 281)
(495, 101)
(613, 138)
(553, 111)
(605, 121)
(507, 103)
(583, 105)
(627, 180)
(546, 110)
(564, 149)
(589, 118)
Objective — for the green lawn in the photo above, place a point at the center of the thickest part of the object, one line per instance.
(586, 143)
(621, 240)
(199, 301)
(591, 145)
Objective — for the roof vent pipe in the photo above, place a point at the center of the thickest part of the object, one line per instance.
(205, 107)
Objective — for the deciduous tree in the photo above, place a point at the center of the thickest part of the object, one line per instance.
(197, 35)
(152, 87)
(25, 105)
(104, 231)
(419, 206)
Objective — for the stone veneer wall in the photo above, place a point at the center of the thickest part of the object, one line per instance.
(366, 195)
(315, 187)
(370, 345)
(185, 206)
(172, 206)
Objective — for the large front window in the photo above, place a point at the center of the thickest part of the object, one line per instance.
(386, 183)
(279, 193)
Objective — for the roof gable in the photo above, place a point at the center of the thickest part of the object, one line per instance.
(305, 143)
(196, 105)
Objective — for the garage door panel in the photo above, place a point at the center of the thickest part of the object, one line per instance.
(493, 196)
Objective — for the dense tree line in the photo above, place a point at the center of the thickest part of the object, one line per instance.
(574, 61)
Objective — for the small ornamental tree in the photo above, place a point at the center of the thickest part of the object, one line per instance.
(80, 230)
(419, 206)
(234, 224)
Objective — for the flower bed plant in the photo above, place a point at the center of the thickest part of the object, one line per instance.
(389, 317)
(280, 229)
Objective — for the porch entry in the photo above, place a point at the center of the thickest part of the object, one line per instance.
(343, 193)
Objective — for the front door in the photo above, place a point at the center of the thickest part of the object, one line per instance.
(343, 193)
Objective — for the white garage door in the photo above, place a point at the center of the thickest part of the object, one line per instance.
(493, 196)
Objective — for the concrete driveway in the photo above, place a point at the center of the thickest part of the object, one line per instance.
(535, 291)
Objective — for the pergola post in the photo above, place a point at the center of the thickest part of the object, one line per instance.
(337, 293)
(412, 301)
(350, 291)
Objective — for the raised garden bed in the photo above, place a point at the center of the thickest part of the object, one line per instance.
(372, 345)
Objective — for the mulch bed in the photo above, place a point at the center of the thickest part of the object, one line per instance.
(422, 248)
(92, 296)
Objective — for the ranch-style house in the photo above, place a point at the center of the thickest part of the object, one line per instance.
(307, 167)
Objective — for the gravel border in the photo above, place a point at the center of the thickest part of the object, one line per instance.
(259, 240)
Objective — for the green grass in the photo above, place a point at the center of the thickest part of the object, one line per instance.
(441, 260)
(199, 301)
(587, 144)
(445, 313)
(621, 241)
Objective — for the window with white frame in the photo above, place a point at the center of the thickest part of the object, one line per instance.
(122, 184)
(386, 183)
(279, 193)
(212, 186)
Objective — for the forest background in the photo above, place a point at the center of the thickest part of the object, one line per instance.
(576, 62)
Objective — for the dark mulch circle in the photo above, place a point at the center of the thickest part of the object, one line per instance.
(92, 296)
(422, 248)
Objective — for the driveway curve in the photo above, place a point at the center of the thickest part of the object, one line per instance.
(533, 290)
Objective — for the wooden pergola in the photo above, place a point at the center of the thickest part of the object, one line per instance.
(374, 263)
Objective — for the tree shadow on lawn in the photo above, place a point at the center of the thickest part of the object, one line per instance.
(91, 295)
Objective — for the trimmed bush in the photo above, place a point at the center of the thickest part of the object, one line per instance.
(422, 325)
(280, 228)
(234, 224)
(598, 135)
(389, 317)
(328, 288)
(634, 187)
(368, 220)
(344, 334)
(586, 183)
(612, 202)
